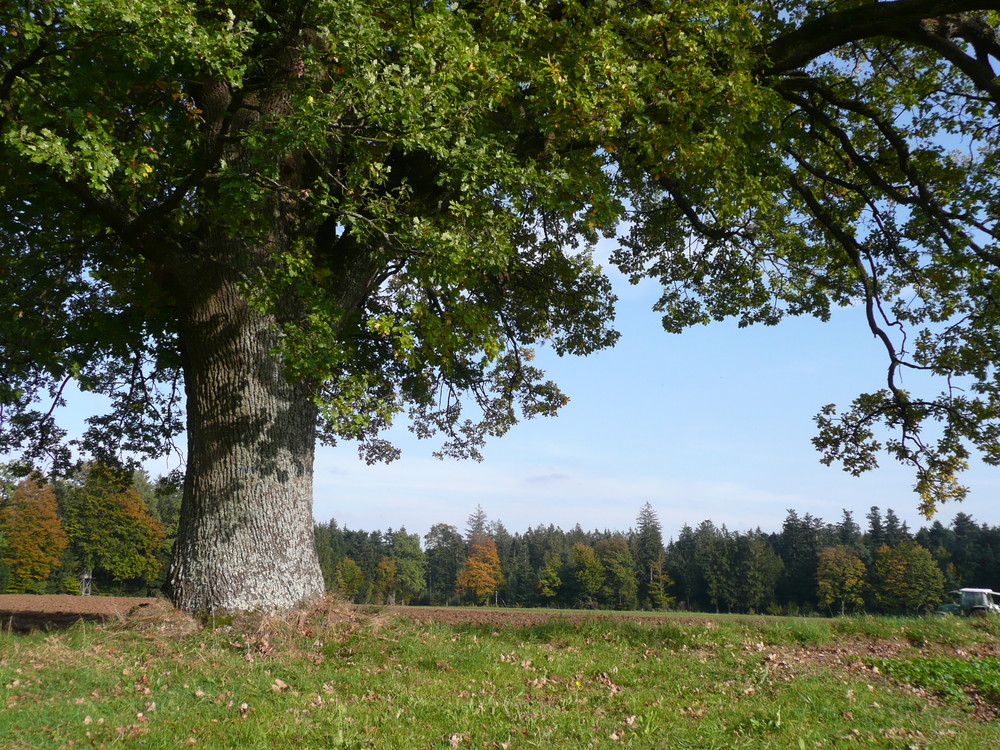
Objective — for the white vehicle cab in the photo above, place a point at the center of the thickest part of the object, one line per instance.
(978, 601)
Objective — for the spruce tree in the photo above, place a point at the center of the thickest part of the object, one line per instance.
(648, 553)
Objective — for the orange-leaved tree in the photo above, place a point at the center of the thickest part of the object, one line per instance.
(34, 536)
(481, 574)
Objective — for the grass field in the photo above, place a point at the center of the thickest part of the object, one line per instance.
(336, 678)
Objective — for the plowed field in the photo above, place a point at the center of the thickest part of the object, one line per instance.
(25, 611)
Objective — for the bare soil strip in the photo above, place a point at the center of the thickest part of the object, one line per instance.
(23, 612)
(36, 610)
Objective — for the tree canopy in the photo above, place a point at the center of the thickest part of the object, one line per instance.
(426, 245)
(108, 527)
(268, 222)
(845, 155)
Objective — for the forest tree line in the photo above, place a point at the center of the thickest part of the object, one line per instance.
(114, 533)
(809, 566)
(98, 529)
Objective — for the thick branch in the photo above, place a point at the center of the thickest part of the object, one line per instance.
(924, 198)
(690, 211)
(979, 71)
(15, 71)
(821, 35)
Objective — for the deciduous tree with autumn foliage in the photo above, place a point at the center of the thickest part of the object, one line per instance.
(110, 532)
(840, 578)
(34, 536)
(482, 574)
(905, 579)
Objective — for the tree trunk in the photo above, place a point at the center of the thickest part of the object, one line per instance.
(245, 539)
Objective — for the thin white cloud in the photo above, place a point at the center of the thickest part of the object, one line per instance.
(419, 492)
(547, 479)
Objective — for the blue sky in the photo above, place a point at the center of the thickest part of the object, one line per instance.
(712, 423)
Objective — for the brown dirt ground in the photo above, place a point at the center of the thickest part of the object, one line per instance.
(64, 609)
(27, 611)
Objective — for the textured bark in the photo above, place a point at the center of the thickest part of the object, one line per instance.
(245, 540)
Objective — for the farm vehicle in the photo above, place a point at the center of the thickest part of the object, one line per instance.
(972, 603)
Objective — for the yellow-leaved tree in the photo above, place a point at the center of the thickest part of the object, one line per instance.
(905, 579)
(840, 578)
(109, 530)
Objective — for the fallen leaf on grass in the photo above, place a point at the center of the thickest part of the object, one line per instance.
(131, 732)
(606, 681)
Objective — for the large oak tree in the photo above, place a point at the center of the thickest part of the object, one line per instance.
(272, 222)
(299, 219)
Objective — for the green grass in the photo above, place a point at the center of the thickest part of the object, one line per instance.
(951, 677)
(371, 682)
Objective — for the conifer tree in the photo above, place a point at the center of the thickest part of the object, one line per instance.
(875, 536)
(685, 570)
(714, 556)
(620, 587)
(757, 570)
(849, 532)
(445, 556)
(798, 544)
(476, 525)
(648, 552)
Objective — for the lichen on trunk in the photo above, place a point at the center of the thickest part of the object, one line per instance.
(246, 531)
